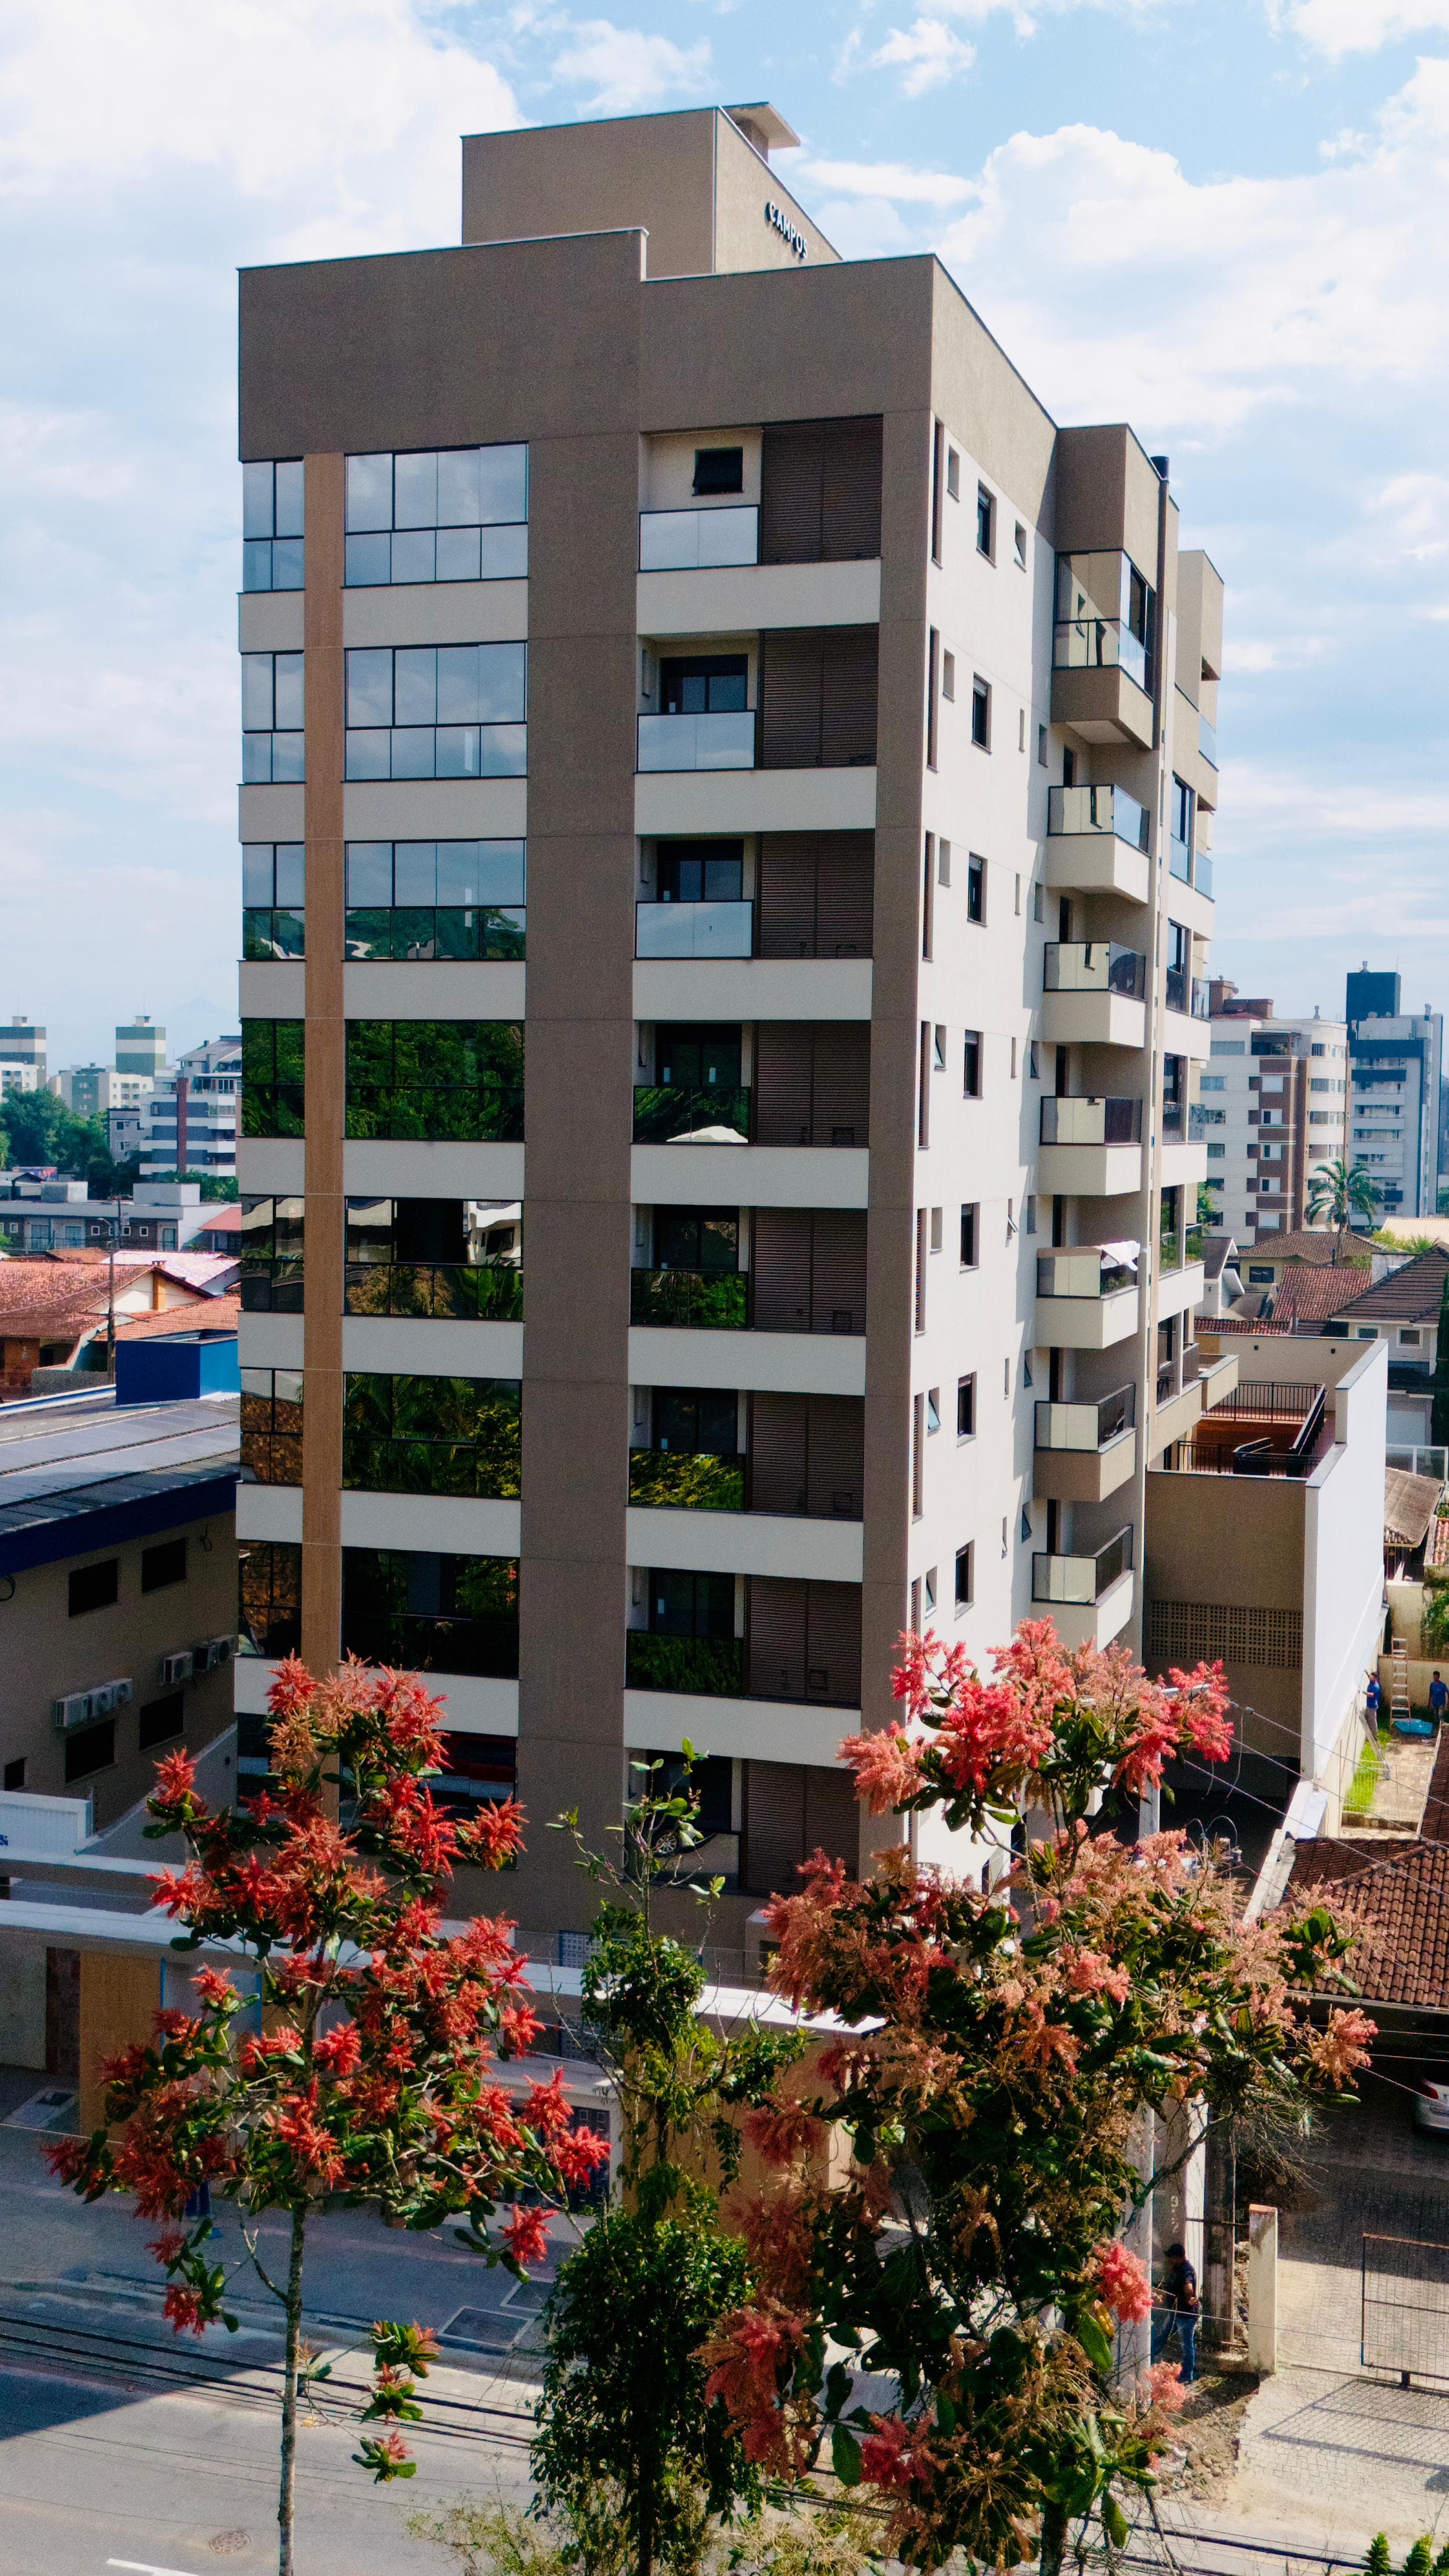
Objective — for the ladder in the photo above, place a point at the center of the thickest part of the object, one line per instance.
(1399, 1703)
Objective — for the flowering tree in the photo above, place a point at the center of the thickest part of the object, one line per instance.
(372, 2081)
(1001, 2051)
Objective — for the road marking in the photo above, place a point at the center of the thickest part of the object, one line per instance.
(143, 2567)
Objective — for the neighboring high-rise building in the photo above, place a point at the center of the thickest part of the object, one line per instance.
(94, 1090)
(1395, 1065)
(189, 1121)
(855, 723)
(141, 1047)
(1272, 1109)
(22, 1045)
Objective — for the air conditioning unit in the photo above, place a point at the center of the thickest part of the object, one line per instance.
(73, 1710)
(178, 1668)
(217, 1650)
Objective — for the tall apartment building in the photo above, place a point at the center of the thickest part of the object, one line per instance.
(22, 1055)
(141, 1047)
(1272, 1108)
(189, 1120)
(716, 1167)
(1395, 1069)
(94, 1090)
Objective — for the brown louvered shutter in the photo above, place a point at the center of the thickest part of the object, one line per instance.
(835, 1456)
(842, 1082)
(832, 1643)
(845, 894)
(776, 1636)
(780, 1270)
(832, 1816)
(783, 1080)
(785, 894)
(837, 1276)
(779, 1453)
(850, 491)
(772, 1844)
(791, 477)
(790, 699)
(849, 664)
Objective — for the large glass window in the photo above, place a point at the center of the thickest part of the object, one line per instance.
(690, 1642)
(271, 1256)
(271, 1426)
(273, 1077)
(429, 1613)
(418, 900)
(436, 1079)
(274, 883)
(431, 1435)
(272, 525)
(437, 711)
(439, 514)
(274, 743)
(442, 1257)
(269, 1617)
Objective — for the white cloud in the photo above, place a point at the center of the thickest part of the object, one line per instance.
(1339, 27)
(926, 55)
(627, 70)
(1418, 507)
(890, 179)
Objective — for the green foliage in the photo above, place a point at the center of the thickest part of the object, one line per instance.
(494, 2540)
(1366, 1770)
(1434, 1619)
(36, 1127)
(1338, 1194)
(1420, 2560)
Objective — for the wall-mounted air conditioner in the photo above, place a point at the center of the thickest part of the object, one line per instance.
(177, 1668)
(217, 1650)
(79, 1707)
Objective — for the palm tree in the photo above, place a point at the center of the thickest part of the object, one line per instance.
(1340, 1195)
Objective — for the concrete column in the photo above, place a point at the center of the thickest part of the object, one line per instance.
(1262, 2288)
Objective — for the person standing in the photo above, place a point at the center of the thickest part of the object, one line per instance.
(1373, 1700)
(1438, 1697)
(1177, 2312)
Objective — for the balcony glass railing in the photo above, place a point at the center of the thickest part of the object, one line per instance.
(1088, 1427)
(1178, 990)
(694, 929)
(668, 1115)
(686, 1480)
(712, 1667)
(274, 934)
(1207, 740)
(1179, 860)
(1098, 809)
(697, 540)
(274, 759)
(479, 1292)
(1094, 966)
(1087, 1270)
(1202, 872)
(1174, 1125)
(1081, 1579)
(415, 933)
(1099, 644)
(1091, 1122)
(437, 751)
(1201, 1006)
(709, 741)
(708, 1300)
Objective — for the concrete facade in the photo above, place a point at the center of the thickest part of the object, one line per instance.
(1272, 1107)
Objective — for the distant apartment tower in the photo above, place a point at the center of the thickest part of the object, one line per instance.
(189, 1121)
(141, 1047)
(94, 1090)
(729, 780)
(22, 1055)
(1395, 1067)
(1272, 1109)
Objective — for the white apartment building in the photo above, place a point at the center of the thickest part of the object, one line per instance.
(1395, 1060)
(94, 1090)
(1272, 1108)
(22, 1047)
(189, 1120)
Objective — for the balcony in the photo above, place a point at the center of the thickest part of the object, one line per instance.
(686, 1480)
(1101, 678)
(1086, 1296)
(713, 1301)
(705, 1667)
(477, 1292)
(669, 1114)
(1085, 1451)
(698, 540)
(1207, 740)
(694, 929)
(1263, 1428)
(1090, 1148)
(1186, 993)
(723, 740)
(1089, 1596)
(1097, 842)
(1093, 994)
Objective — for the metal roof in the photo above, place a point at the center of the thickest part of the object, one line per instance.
(75, 1478)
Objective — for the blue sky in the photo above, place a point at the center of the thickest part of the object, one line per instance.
(1222, 219)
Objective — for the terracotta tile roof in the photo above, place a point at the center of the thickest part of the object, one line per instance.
(1311, 1296)
(1400, 1899)
(1311, 1243)
(1209, 1327)
(209, 1315)
(1409, 1295)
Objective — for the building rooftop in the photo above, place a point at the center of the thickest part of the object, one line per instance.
(1316, 1244)
(1310, 1296)
(1410, 1295)
(1409, 1503)
(1400, 1904)
(88, 1473)
(1219, 1252)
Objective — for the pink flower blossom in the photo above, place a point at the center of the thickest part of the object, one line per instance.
(1122, 2283)
(886, 1766)
(525, 2233)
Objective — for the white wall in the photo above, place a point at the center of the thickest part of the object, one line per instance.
(1343, 1549)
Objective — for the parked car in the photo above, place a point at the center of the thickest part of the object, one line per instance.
(1431, 2103)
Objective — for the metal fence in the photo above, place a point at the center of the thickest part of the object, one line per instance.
(1405, 2317)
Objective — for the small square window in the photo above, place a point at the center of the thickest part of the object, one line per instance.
(975, 889)
(161, 1719)
(930, 1589)
(15, 1773)
(92, 1749)
(948, 676)
(938, 1050)
(1020, 546)
(966, 1575)
(944, 871)
(985, 522)
(966, 1407)
(953, 473)
(719, 469)
(971, 1064)
(936, 1229)
(933, 1408)
(969, 1215)
(981, 714)
(163, 1565)
(93, 1587)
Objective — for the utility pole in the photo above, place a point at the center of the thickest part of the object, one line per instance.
(111, 1293)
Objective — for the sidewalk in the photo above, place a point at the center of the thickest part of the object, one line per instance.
(1344, 2458)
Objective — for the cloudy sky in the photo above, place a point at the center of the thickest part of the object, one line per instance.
(1224, 220)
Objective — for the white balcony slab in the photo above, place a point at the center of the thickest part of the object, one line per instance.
(744, 1730)
(1184, 1035)
(477, 1703)
(747, 1543)
(271, 813)
(1085, 1323)
(761, 1363)
(271, 1166)
(392, 1167)
(1182, 1164)
(743, 598)
(1179, 1289)
(754, 800)
(438, 988)
(431, 1346)
(1089, 1171)
(272, 990)
(434, 809)
(1093, 1019)
(1173, 1420)
(269, 1341)
(826, 1176)
(1097, 863)
(1091, 1623)
(752, 988)
(269, 1512)
(453, 1524)
(270, 621)
(1189, 905)
(251, 1679)
(437, 612)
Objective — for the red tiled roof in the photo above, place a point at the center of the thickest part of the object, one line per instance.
(1398, 1896)
(209, 1315)
(1311, 1296)
(1409, 1295)
(1311, 1243)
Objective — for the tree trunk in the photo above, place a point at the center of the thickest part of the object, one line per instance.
(1053, 2540)
(289, 2397)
